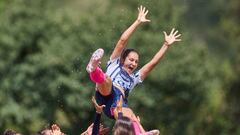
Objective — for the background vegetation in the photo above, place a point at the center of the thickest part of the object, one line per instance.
(46, 44)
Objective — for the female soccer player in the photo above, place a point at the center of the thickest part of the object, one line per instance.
(120, 77)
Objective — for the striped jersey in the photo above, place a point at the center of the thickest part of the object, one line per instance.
(120, 77)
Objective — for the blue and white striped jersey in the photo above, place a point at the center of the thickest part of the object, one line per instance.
(120, 77)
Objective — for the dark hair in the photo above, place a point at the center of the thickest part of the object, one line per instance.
(125, 53)
(123, 126)
(10, 132)
(44, 130)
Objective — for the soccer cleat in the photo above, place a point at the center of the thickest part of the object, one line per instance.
(95, 60)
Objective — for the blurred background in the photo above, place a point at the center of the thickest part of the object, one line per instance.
(45, 46)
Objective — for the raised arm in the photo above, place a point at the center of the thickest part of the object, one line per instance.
(118, 110)
(142, 12)
(99, 109)
(169, 40)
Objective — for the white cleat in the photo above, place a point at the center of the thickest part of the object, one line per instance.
(95, 60)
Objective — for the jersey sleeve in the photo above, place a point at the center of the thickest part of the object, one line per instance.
(112, 65)
(137, 78)
(113, 62)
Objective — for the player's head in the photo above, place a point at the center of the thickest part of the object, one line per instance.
(129, 60)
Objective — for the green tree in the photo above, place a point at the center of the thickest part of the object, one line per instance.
(45, 46)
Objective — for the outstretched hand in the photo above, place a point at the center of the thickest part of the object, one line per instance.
(119, 104)
(56, 130)
(142, 12)
(102, 130)
(172, 37)
(99, 108)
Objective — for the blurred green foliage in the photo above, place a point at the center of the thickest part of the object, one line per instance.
(45, 46)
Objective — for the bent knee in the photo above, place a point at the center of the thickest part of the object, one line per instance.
(105, 88)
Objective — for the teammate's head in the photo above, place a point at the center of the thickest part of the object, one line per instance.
(123, 126)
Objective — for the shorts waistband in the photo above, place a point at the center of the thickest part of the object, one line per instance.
(120, 89)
